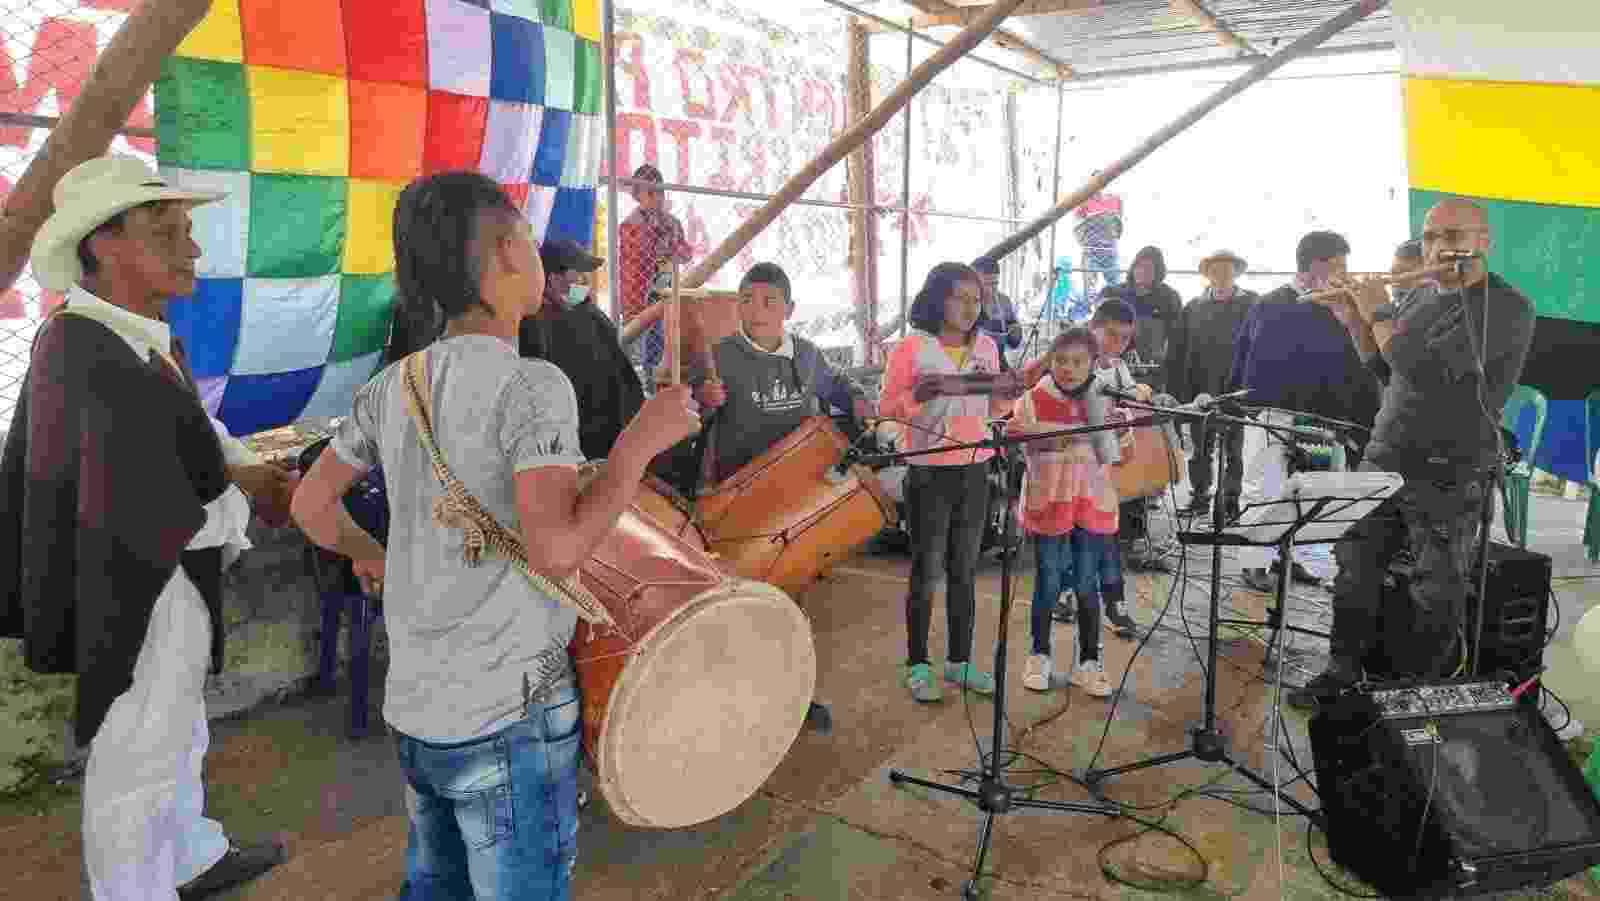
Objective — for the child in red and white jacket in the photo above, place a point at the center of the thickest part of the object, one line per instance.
(947, 493)
(1069, 505)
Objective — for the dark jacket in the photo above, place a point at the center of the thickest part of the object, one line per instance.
(583, 341)
(768, 397)
(1297, 355)
(1200, 348)
(1431, 419)
(107, 469)
(1158, 312)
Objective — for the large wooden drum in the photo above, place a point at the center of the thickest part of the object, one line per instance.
(1152, 459)
(789, 514)
(696, 695)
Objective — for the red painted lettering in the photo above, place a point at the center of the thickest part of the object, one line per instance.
(770, 93)
(627, 124)
(59, 62)
(691, 107)
(681, 130)
(630, 59)
(737, 92)
(722, 179)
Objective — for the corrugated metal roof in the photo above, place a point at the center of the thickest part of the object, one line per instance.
(1138, 35)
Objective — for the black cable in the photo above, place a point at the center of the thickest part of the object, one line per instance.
(1311, 852)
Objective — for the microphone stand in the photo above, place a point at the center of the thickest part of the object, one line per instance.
(1207, 744)
(993, 795)
(1493, 474)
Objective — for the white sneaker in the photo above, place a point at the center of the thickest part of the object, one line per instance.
(1036, 672)
(1090, 675)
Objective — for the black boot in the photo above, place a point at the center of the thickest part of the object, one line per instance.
(1115, 612)
(1199, 504)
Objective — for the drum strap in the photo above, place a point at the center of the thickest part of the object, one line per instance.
(458, 509)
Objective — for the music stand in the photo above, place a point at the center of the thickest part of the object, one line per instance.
(1346, 497)
(1275, 523)
(993, 795)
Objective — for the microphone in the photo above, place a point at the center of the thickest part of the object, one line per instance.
(839, 472)
(1109, 391)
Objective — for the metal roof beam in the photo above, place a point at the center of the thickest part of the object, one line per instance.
(1227, 37)
(1009, 40)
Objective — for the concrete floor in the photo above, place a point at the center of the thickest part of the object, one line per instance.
(828, 824)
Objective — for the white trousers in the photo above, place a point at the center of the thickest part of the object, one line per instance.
(144, 832)
(1266, 472)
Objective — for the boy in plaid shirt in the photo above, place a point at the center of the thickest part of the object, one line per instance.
(649, 237)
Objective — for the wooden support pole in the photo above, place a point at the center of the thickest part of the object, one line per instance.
(863, 193)
(123, 73)
(1259, 71)
(869, 125)
(1226, 36)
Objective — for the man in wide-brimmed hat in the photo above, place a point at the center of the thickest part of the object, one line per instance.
(122, 508)
(1199, 358)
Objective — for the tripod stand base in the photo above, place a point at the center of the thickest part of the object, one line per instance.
(1206, 746)
(994, 797)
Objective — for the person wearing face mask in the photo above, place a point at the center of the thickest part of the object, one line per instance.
(571, 331)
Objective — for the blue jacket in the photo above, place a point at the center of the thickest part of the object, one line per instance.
(1298, 356)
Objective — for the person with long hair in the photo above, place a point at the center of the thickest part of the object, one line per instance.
(481, 694)
(947, 491)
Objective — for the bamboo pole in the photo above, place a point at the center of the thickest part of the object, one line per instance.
(1259, 71)
(123, 73)
(915, 81)
(863, 191)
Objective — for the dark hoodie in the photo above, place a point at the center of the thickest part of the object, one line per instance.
(1158, 309)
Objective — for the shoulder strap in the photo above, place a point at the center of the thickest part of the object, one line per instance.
(458, 509)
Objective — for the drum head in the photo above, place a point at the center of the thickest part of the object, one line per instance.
(708, 707)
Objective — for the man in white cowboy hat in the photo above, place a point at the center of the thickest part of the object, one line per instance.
(123, 506)
(1199, 358)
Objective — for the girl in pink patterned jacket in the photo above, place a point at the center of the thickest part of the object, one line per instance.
(947, 492)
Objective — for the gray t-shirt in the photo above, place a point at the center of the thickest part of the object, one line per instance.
(461, 637)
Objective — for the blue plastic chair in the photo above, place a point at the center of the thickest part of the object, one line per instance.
(342, 597)
(1518, 483)
(1591, 525)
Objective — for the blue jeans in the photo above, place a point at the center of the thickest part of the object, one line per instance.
(496, 818)
(1087, 562)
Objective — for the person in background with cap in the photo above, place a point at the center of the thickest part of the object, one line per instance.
(1199, 359)
(572, 332)
(998, 316)
(649, 237)
(121, 513)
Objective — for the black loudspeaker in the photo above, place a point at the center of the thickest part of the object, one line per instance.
(1515, 616)
(1450, 788)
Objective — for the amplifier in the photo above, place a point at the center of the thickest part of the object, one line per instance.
(1450, 788)
(1515, 616)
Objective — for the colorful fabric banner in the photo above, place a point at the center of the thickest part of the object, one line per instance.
(1501, 107)
(312, 117)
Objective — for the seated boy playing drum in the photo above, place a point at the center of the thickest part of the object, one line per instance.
(766, 383)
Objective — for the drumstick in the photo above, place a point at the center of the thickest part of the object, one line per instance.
(674, 336)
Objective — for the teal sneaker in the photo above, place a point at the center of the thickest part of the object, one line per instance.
(963, 674)
(923, 686)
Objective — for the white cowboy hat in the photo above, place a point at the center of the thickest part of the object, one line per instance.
(88, 195)
(1239, 265)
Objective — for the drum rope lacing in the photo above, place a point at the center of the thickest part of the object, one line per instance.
(458, 509)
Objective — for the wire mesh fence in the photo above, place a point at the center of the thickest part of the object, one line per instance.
(47, 49)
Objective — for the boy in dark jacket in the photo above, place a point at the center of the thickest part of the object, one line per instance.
(1199, 359)
(768, 380)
